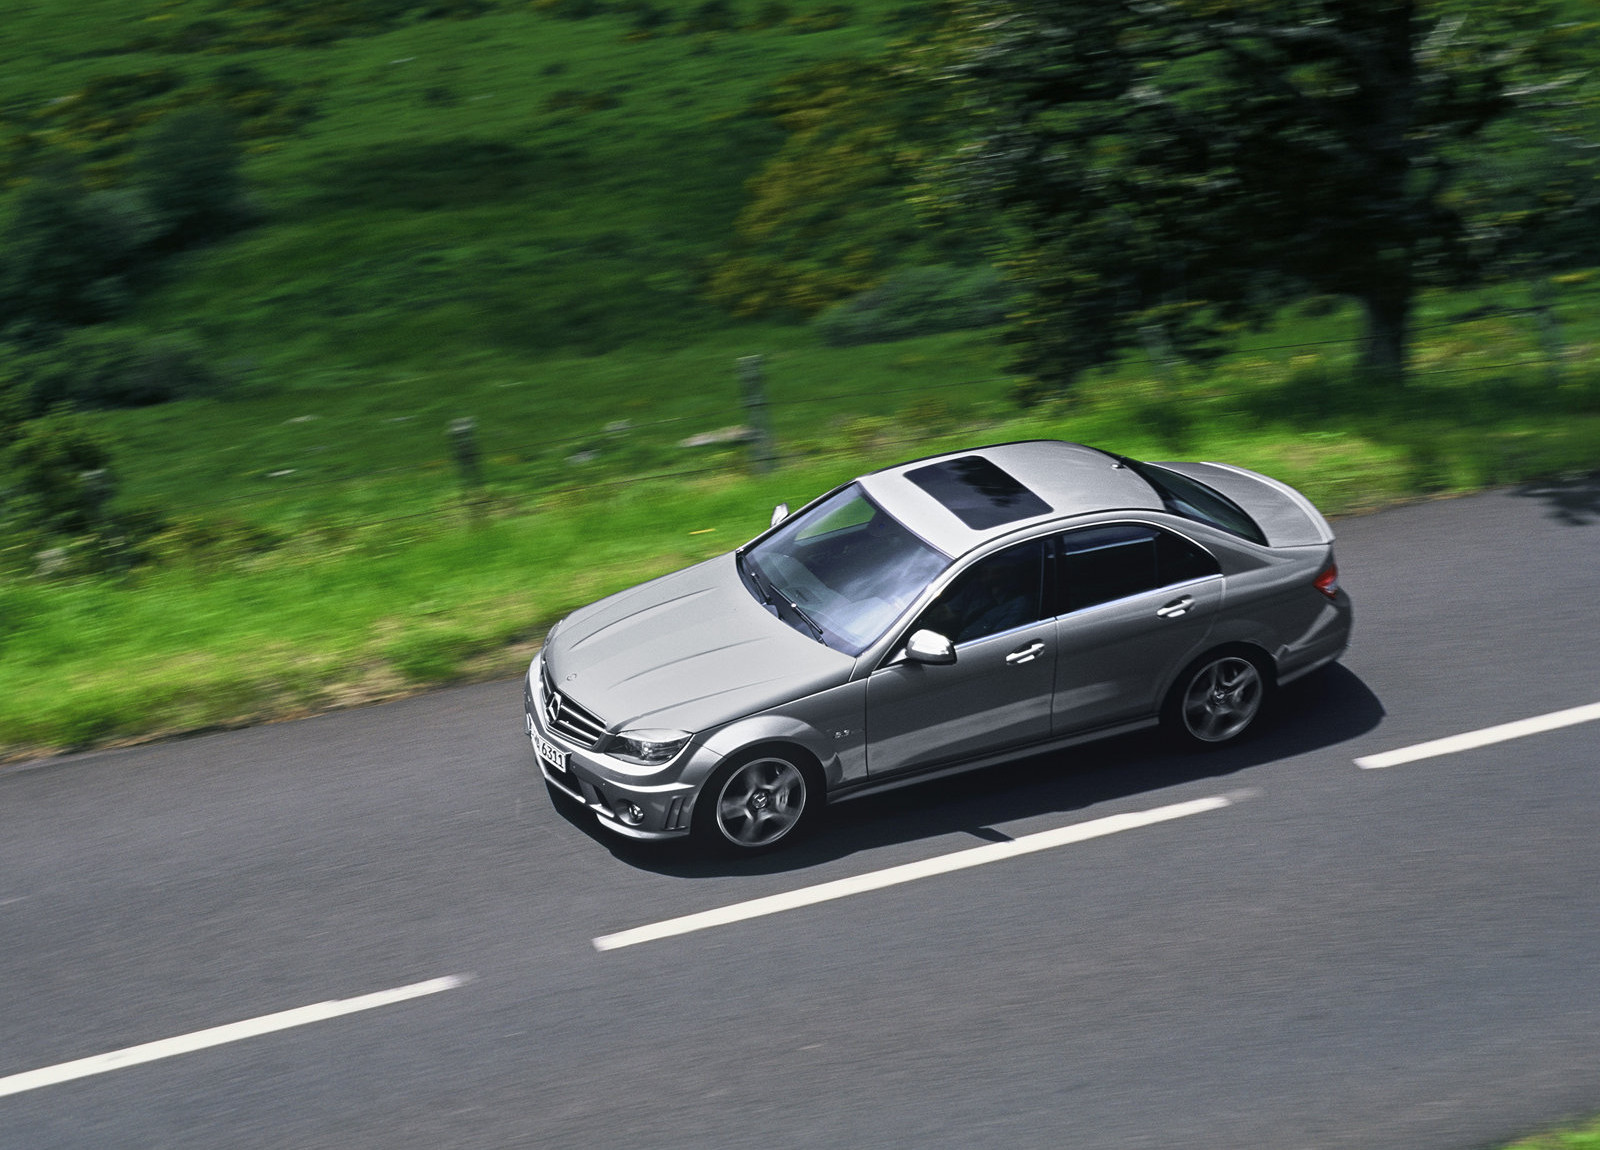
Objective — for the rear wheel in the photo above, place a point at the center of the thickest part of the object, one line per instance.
(756, 801)
(1218, 698)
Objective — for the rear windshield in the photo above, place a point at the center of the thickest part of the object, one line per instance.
(1194, 500)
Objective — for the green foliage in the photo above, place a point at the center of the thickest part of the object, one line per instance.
(239, 25)
(646, 18)
(918, 301)
(431, 191)
(58, 496)
(1583, 1136)
(772, 14)
(571, 9)
(13, 405)
(100, 123)
(72, 255)
(107, 367)
(444, 240)
(95, 123)
(1180, 167)
(712, 16)
(59, 477)
(831, 213)
(578, 100)
(75, 254)
(330, 609)
(188, 170)
(824, 19)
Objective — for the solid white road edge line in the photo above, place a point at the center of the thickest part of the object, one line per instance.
(908, 872)
(219, 1035)
(1449, 746)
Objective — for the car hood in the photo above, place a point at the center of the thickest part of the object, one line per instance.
(690, 650)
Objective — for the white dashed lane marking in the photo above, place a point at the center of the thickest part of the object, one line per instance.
(910, 872)
(1489, 735)
(218, 1035)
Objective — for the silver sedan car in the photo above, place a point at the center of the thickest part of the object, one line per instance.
(929, 618)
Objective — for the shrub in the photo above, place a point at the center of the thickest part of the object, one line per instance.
(824, 19)
(60, 477)
(771, 14)
(918, 301)
(571, 9)
(212, 541)
(13, 405)
(712, 16)
(645, 18)
(114, 367)
(71, 254)
(188, 170)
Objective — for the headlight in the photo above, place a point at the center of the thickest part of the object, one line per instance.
(649, 748)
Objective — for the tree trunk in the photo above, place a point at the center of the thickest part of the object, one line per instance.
(1386, 342)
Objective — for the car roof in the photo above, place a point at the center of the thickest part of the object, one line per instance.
(1067, 479)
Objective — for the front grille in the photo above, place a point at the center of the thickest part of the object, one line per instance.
(567, 718)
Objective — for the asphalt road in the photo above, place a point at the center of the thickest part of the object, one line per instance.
(1338, 957)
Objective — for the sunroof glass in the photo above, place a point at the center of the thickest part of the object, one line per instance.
(979, 493)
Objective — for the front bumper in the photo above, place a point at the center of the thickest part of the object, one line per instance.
(650, 808)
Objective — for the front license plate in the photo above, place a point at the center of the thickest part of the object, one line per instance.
(548, 751)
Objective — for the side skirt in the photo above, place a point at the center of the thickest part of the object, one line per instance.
(873, 786)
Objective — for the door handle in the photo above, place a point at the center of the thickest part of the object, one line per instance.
(1025, 654)
(1179, 606)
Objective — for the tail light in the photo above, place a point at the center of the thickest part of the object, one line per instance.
(1328, 581)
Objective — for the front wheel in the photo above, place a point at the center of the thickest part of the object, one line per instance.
(752, 803)
(1217, 698)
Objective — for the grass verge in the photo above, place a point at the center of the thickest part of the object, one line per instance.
(1585, 1136)
(350, 608)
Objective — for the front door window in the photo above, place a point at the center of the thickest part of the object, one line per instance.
(998, 692)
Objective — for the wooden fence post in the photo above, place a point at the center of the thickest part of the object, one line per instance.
(753, 392)
(1543, 294)
(464, 446)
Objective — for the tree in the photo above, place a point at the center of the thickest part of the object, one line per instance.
(70, 255)
(1173, 168)
(831, 214)
(188, 170)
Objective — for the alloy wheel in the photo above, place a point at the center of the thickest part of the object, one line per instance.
(760, 802)
(1222, 699)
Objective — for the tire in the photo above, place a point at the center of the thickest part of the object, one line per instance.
(757, 800)
(1218, 698)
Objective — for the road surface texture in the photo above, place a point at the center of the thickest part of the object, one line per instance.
(1320, 956)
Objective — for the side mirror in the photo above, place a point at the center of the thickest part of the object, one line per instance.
(930, 647)
(779, 514)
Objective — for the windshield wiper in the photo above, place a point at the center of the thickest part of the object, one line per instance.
(776, 599)
(807, 620)
(764, 586)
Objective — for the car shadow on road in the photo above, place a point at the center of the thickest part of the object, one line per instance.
(1327, 708)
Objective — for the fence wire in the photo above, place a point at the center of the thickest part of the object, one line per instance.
(468, 495)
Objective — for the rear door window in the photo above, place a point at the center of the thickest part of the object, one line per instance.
(1100, 564)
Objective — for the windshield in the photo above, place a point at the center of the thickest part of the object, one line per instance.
(842, 571)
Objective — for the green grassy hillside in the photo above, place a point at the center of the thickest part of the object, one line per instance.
(511, 215)
(507, 186)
